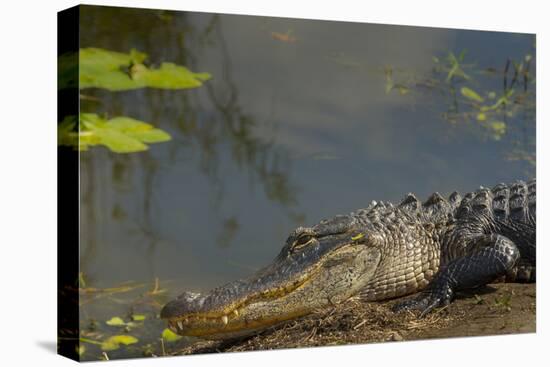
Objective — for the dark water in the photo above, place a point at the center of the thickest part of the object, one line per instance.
(295, 126)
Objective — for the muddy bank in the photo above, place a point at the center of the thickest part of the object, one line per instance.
(492, 310)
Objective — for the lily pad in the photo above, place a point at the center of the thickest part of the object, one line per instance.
(138, 130)
(115, 321)
(114, 342)
(170, 336)
(117, 71)
(169, 76)
(138, 317)
(120, 134)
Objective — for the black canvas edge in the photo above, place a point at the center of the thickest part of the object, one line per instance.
(68, 190)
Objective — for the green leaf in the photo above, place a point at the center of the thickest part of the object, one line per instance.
(169, 76)
(115, 321)
(150, 136)
(471, 94)
(114, 342)
(116, 71)
(455, 68)
(499, 129)
(139, 130)
(138, 317)
(481, 116)
(102, 69)
(504, 100)
(118, 142)
(170, 336)
(126, 124)
(80, 349)
(137, 57)
(120, 134)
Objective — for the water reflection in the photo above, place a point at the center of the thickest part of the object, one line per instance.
(292, 128)
(207, 126)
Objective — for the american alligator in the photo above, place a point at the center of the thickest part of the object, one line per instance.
(435, 248)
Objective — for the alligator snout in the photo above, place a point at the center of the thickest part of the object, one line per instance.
(198, 314)
(186, 303)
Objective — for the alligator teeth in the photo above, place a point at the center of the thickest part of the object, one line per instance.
(185, 321)
(225, 320)
(180, 324)
(236, 312)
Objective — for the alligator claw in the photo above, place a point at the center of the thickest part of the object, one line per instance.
(424, 303)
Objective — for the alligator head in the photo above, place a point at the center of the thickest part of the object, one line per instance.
(320, 265)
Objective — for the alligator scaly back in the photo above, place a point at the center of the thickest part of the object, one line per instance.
(490, 235)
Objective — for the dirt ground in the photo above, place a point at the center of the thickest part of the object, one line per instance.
(503, 308)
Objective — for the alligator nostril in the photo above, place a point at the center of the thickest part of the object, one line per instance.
(189, 296)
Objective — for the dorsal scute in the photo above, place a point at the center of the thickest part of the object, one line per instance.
(499, 187)
(362, 212)
(434, 199)
(482, 201)
(501, 195)
(436, 207)
(372, 212)
(455, 199)
(464, 208)
(503, 202)
(410, 202)
(381, 205)
(518, 201)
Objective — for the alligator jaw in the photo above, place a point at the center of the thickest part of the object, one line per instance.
(293, 286)
(232, 318)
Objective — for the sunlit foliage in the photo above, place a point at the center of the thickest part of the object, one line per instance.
(116, 71)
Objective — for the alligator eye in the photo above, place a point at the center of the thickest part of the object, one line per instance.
(302, 241)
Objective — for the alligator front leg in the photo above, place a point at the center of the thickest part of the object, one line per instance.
(489, 257)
